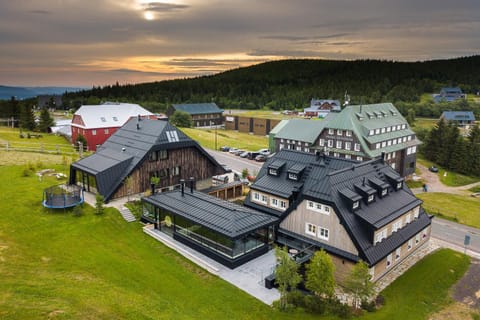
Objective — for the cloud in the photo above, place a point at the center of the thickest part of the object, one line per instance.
(303, 38)
(164, 7)
(40, 11)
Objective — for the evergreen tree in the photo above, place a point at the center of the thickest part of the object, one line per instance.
(449, 139)
(286, 275)
(359, 283)
(320, 278)
(411, 117)
(46, 121)
(99, 204)
(474, 134)
(27, 118)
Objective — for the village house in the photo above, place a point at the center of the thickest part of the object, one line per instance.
(138, 151)
(96, 123)
(203, 114)
(321, 108)
(460, 118)
(448, 94)
(354, 211)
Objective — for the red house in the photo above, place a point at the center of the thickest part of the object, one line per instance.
(98, 122)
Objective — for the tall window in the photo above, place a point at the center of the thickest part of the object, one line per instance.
(321, 142)
(397, 253)
(348, 145)
(381, 235)
(323, 233)
(339, 144)
(389, 260)
(330, 143)
(94, 132)
(311, 229)
(357, 147)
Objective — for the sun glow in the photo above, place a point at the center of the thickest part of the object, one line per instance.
(149, 15)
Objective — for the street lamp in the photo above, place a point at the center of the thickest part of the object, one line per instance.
(213, 123)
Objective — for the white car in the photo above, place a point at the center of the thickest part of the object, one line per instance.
(264, 152)
(233, 150)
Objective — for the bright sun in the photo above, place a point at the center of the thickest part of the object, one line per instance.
(148, 15)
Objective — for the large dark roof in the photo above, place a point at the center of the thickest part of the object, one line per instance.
(222, 216)
(127, 148)
(325, 179)
(198, 108)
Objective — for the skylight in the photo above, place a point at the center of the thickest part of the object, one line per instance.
(103, 119)
(172, 136)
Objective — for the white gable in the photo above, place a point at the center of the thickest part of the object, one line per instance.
(109, 114)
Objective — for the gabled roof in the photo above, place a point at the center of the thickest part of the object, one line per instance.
(451, 90)
(330, 180)
(128, 147)
(301, 130)
(109, 114)
(458, 116)
(363, 118)
(278, 127)
(198, 108)
(224, 217)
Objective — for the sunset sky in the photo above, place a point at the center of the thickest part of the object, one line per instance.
(85, 43)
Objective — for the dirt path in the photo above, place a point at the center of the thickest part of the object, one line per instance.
(467, 290)
(434, 184)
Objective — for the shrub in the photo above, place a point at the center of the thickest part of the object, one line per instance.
(369, 306)
(27, 172)
(296, 298)
(99, 204)
(316, 305)
(78, 210)
(379, 301)
(339, 309)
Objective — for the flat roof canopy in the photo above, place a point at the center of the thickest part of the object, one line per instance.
(226, 218)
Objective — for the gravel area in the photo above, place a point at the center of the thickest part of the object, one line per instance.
(467, 290)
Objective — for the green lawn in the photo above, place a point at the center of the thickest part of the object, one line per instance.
(46, 143)
(465, 210)
(451, 179)
(206, 138)
(424, 288)
(269, 114)
(425, 123)
(56, 265)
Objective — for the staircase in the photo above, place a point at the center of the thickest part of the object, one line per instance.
(127, 214)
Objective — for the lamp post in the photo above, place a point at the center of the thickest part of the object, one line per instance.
(213, 123)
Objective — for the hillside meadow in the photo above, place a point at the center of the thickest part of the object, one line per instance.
(55, 265)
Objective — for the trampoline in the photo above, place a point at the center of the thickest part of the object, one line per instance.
(62, 196)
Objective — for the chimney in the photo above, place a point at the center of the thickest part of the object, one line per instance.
(182, 184)
(383, 156)
(364, 178)
(317, 155)
(138, 126)
(192, 184)
(139, 118)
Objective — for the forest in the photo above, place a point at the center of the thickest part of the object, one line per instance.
(291, 84)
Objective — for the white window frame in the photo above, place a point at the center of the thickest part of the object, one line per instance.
(389, 261)
(348, 133)
(381, 235)
(371, 198)
(321, 142)
(347, 156)
(355, 205)
(274, 202)
(348, 145)
(330, 143)
(106, 131)
(417, 239)
(264, 199)
(383, 130)
(338, 144)
(416, 212)
(377, 145)
(339, 132)
(371, 132)
(94, 132)
(283, 204)
(377, 131)
(397, 225)
(323, 233)
(356, 146)
(330, 131)
(408, 218)
(410, 245)
(398, 253)
(359, 158)
(310, 229)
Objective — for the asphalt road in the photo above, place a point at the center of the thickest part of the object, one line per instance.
(444, 230)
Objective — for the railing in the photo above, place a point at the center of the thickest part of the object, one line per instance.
(40, 147)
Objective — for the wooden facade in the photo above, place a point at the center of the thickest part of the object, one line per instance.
(189, 161)
(256, 126)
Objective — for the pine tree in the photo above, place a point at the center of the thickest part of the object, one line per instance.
(27, 118)
(46, 121)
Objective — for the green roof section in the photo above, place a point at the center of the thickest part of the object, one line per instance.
(301, 130)
(198, 108)
(363, 118)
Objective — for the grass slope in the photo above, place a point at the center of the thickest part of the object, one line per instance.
(56, 265)
(465, 210)
(424, 288)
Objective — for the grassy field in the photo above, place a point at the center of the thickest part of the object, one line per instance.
(206, 138)
(424, 288)
(464, 209)
(451, 179)
(56, 265)
(269, 114)
(47, 143)
(425, 123)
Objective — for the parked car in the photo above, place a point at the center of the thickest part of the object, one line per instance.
(239, 152)
(225, 148)
(252, 155)
(261, 158)
(433, 169)
(226, 168)
(264, 152)
(233, 150)
(244, 154)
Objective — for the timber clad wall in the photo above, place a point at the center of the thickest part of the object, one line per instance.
(257, 126)
(191, 162)
(381, 266)
(402, 219)
(338, 236)
(342, 268)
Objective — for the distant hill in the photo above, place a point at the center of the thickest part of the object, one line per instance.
(29, 92)
(290, 84)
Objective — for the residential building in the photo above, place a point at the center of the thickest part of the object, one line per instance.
(321, 108)
(364, 132)
(96, 123)
(354, 211)
(53, 101)
(460, 118)
(139, 150)
(298, 134)
(448, 94)
(203, 114)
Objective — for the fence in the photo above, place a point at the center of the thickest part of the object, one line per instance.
(39, 147)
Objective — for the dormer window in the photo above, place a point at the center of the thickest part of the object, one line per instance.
(384, 192)
(330, 131)
(399, 185)
(371, 198)
(293, 176)
(115, 119)
(355, 205)
(103, 119)
(272, 172)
